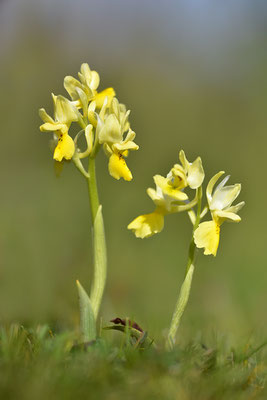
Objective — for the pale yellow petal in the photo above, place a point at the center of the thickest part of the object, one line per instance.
(157, 197)
(123, 146)
(65, 112)
(147, 225)
(115, 107)
(65, 148)
(236, 208)
(103, 109)
(118, 168)
(125, 123)
(224, 196)
(111, 131)
(69, 111)
(195, 174)
(45, 117)
(53, 127)
(194, 171)
(83, 100)
(207, 235)
(184, 160)
(95, 80)
(130, 136)
(89, 135)
(71, 84)
(222, 216)
(93, 119)
(89, 78)
(211, 184)
(85, 74)
(92, 106)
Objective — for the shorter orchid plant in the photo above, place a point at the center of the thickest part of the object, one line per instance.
(103, 121)
(170, 197)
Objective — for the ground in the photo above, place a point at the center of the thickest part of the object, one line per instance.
(42, 364)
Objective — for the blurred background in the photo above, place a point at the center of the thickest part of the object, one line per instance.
(193, 73)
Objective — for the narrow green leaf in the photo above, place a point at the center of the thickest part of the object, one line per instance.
(88, 323)
(100, 262)
(180, 306)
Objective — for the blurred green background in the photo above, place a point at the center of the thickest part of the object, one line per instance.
(193, 73)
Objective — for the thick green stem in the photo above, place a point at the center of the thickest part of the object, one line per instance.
(186, 286)
(92, 186)
(99, 243)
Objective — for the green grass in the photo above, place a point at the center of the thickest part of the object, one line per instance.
(39, 364)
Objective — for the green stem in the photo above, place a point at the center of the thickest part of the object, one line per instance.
(186, 286)
(92, 186)
(99, 243)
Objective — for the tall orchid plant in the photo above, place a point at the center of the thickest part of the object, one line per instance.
(103, 122)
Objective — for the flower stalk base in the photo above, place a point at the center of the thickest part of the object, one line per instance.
(89, 306)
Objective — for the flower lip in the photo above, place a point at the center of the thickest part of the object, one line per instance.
(207, 235)
(118, 167)
(148, 224)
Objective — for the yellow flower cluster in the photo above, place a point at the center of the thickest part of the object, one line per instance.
(104, 121)
(169, 196)
(65, 114)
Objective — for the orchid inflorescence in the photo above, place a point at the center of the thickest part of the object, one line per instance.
(103, 120)
(170, 197)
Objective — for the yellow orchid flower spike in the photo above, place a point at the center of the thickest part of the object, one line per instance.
(65, 114)
(207, 235)
(169, 196)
